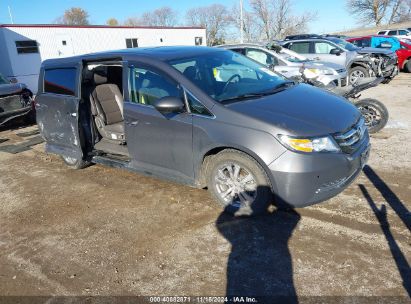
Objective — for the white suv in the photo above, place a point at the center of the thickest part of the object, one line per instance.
(400, 34)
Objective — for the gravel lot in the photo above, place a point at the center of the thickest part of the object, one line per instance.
(104, 231)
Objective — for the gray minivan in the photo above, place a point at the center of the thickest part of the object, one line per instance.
(206, 117)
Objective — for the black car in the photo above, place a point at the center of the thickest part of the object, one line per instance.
(15, 101)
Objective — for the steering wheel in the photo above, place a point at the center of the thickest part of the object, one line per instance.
(230, 80)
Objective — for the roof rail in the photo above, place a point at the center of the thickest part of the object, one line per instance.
(302, 36)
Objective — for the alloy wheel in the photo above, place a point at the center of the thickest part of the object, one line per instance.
(235, 185)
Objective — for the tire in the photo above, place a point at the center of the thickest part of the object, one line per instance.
(375, 114)
(407, 66)
(357, 72)
(241, 201)
(74, 163)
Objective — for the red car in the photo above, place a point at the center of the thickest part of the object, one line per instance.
(402, 48)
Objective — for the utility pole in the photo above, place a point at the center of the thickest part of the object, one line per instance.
(11, 16)
(241, 22)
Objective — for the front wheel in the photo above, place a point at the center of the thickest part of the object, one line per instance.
(75, 163)
(238, 183)
(374, 112)
(356, 73)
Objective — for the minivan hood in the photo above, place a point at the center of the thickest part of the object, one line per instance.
(301, 110)
(11, 88)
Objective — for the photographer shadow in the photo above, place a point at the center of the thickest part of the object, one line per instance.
(260, 263)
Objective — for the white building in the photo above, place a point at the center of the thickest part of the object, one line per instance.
(24, 47)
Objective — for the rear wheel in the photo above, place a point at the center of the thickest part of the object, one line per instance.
(374, 112)
(238, 183)
(407, 66)
(356, 73)
(75, 163)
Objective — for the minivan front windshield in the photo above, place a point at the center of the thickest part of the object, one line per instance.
(228, 77)
(3, 80)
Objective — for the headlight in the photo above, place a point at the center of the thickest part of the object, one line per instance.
(323, 71)
(309, 145)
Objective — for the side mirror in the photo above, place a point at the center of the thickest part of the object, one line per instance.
(409, 34)
(169, 105)
(335, 51)
(386, 45)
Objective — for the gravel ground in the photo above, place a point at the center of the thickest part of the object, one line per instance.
(104, 231)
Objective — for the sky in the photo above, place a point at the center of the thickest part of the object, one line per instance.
(332, 14)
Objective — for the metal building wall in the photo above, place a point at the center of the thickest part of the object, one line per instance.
(82, 40)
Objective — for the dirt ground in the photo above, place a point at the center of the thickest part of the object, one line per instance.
(104, 231)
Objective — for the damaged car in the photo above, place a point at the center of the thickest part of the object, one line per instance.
(251, 137)
(15, 101)
(360, 62)
(289, 63)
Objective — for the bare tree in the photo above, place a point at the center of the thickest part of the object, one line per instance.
(214, 18)
(164, 16)
(74, 16)
(380, 11)
(276, 19)
(112, 22)
(369, 11)
(263, 10)
(403, 12)
(249, 26)
(133, 21)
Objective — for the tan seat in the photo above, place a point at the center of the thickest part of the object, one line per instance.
(107, 107)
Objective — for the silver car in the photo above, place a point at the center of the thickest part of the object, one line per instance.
(289, 63)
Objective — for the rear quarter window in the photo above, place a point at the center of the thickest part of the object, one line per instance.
(60, 81)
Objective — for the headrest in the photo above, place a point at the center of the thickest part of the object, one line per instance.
(100, 75)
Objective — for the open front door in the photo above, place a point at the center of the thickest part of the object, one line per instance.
(57, 105)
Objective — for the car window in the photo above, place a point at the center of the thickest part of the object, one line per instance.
(392, 33)
(402, 32)
(323, 47)
(239, 50)
(60, 81)
(197, 107)
(147, 86)
(381, 33)
(225, 75)
(262, 57)
(3, 80)
(300, 47)
(366, 42)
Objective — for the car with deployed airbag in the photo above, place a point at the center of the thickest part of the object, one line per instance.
(206, 117)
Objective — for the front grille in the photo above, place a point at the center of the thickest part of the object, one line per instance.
(350, 140)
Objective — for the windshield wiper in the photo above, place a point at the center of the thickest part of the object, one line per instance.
(244, 97)
(281, 87)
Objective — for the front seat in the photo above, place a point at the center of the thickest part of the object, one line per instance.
(107, 107)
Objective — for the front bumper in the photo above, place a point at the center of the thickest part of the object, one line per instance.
(14, 106)
(306, 179)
